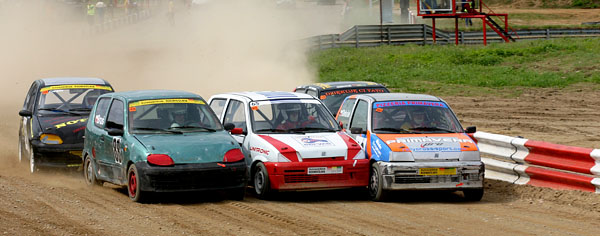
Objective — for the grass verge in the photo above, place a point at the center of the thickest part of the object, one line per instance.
(501, 69)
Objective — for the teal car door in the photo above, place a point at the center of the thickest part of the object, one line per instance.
(112, 154)
(95, 133)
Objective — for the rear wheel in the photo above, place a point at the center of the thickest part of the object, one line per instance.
(376, 191)
(134, 184)
(262, 185)
(473, 195)
(89, 174)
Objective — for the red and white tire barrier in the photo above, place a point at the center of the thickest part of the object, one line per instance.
(523, 161)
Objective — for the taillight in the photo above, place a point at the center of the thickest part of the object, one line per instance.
(233, 155)
(160, 160)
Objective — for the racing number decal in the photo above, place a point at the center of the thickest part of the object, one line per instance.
(117, 150)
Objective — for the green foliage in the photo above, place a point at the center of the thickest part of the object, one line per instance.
(442, 69)
(586, 3)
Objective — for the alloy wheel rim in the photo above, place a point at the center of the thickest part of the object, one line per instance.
(374, 182)
(259, 181)
(132, 185)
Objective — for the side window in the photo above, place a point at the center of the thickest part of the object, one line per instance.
(359, 118)
(312, 93)
(236, 114)
(115, 115)
(30, 98)
(345, 111)
(100, 114)
(217, 105)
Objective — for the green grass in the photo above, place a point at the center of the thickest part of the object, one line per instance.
(469, 70)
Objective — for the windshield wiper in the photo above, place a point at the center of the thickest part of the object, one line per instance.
(81, 109)
(193, 127)
(162, 130)
(271, 130)
(59, 110)
(433, 129)
(313, 128)
(401, 130)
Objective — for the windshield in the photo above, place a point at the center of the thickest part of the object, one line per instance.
(333, 98)
(291, 116)
(414, 117)
(172, 116)
(74, 99)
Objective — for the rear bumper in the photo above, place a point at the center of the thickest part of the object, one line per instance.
(294, 175)
(405, 175)
(192, 177)
(57, 155)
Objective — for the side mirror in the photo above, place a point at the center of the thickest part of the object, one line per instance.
(356, 130)
(25, 113)
(228, 126)
(237, 131)
(471, 129)
(341, 125)
(115, 132)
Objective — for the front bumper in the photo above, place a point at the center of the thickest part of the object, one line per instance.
(405, 175)
(192, 177)
(57, 155)
(294, 175)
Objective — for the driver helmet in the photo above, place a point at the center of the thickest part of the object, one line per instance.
(292, 110)
(418, 116)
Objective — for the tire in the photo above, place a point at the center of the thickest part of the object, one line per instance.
(33, 162)
(133, 185)
(89, 174)
(262, 185)
(376, 191)
(237, 194)
(473, 195)
(20, 150)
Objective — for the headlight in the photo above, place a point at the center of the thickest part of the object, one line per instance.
(401, 156)
(50, 139)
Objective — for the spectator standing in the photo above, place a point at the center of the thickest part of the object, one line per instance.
(100, 7)
(91, 12)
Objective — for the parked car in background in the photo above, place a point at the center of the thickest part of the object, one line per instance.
(161, 141)
(333, 93)
(413, 141)
(291, 141)
(53, 120)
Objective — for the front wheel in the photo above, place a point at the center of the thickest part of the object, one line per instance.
(134, 185)
(473, 195)
(89, 174)
(262, 185)
(20, 150)
(376, 191)
(33, 162)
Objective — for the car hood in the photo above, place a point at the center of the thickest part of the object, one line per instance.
(200, 147)
(69, 128)
(313, 145)
(430, 146)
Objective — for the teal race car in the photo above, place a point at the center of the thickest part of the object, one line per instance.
(161, 141)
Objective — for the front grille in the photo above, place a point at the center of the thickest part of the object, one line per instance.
(195, 181)
(314, 178)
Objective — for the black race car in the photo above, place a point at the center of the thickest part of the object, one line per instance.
(53, 120)
(332, 94)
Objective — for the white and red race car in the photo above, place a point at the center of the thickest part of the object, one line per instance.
(291, 141)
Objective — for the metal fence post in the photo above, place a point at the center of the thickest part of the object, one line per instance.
(462, 37)
(424, 34)
(547, 33)
(356, 35)
(320, 43)
(389, 35)
(333, 41)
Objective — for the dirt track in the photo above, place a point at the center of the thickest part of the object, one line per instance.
(52, 203)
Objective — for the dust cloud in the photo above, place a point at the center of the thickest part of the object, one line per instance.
(219, 46)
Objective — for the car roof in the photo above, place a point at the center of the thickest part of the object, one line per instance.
(72, 80)
(269, 95)
(378, 97)
(152, 94)
(341, 84)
